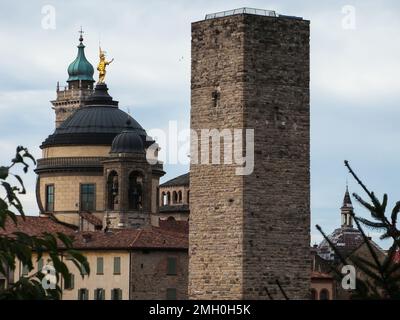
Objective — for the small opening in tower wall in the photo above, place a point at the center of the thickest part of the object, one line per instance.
(135, 191)
(112, 191)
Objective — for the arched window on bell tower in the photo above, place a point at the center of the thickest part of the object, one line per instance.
(135, 191)
(112, 191)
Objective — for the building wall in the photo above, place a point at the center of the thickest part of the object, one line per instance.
(242, 228)
(171, 190)
(67, 193)
(323, 284)
(76, 151)
(149, 275)
(107, 281)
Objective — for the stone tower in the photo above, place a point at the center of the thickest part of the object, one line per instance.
(80, 86)
(250, 69)
(131, 182)
(346, 211)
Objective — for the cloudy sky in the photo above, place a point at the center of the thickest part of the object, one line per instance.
(355, 69)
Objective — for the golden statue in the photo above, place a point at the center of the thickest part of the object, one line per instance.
(102, 65)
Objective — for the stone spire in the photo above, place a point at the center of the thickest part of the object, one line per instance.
(347, 210)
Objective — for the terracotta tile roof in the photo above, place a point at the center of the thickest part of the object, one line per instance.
(320, 275)
(158, 238)
(174, 225)
(91, 218)
(147, 238)
(34, 225)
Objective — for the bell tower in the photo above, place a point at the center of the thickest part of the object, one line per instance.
(131, 182)
(347, 211)
(79, 88)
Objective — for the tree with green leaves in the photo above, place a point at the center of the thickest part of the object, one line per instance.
(19, 246)
(382, 275)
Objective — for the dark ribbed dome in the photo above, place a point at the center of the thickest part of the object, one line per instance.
(95, 124)
(128, 141)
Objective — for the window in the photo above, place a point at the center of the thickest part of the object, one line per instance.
(112, 190)
(100, 263)
(171, 294)
(83, 270)
(116, 294)
(83, 294)
(99, 294)
(117, 265)
(87, 197)
(324, 295)
(171, 266)
(50, 198)
(25, 270)
(174, 197)
(40, 264)
(313, 294)
(135, 191)
(69, 283)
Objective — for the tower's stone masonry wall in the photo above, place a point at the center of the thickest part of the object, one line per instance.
(246, 232)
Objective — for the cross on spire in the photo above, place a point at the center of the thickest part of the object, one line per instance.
(81, 34)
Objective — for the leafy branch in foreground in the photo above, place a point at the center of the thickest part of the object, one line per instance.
(19, 246)
(382, 274)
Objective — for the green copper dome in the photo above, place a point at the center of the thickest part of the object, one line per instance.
(80, 68)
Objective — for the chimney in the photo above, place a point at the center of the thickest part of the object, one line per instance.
(87, 237)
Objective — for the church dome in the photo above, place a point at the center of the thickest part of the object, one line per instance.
(128, 141)
(80, 68)
(97, 123)
(345, 239)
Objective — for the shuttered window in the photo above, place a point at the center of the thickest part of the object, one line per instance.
(116, 294)
(69, 283)
(171, 266)
(83, 294)
(100, 265)
(99, 294)
(50, 198)
(117, 265)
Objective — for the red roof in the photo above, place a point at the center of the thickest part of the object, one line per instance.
(174, 225)
(146, 238)
(34, 225)
(91, 218)
(320, 275)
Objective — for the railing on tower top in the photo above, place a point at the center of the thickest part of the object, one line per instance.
(259, 12)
